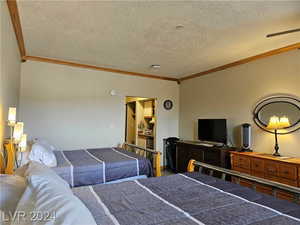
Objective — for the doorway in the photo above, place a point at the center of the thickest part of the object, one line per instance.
(140, 122)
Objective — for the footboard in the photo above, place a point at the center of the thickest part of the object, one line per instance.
(238, 175)
(143, 152)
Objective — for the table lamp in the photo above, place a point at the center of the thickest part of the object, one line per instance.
(12, 113)
(275, 124)
(18, 132)
(11, 121)
(23, 143)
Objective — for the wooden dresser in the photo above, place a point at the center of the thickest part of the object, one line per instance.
(283, 170)
(187, 150)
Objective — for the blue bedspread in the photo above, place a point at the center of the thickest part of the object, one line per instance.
(184, 199)
(97, 166)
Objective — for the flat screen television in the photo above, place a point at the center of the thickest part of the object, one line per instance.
(212, 130)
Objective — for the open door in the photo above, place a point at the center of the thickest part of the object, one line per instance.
(130, 135)
(141, 121)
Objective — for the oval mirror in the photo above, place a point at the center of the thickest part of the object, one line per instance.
(279, 106)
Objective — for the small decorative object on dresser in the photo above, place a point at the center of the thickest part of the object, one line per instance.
(284, 170)
(246, 137)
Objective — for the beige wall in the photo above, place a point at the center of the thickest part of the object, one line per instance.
(73, 108)
(233, 93)
(10, 70)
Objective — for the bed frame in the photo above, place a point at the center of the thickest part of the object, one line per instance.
(145, 152)
(238, 175)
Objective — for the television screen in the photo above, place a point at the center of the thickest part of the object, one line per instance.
(214, 130)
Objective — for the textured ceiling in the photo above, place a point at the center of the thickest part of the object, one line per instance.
(132, 35)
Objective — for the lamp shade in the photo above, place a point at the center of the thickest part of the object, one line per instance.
(284, 122)
(152, 120)
(12, 114)
(23, 143)
(18, 131)
(274, 123)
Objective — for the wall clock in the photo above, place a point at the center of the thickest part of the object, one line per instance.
(168, 104)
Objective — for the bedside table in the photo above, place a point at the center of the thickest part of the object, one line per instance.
(2, 164)
(8, 166)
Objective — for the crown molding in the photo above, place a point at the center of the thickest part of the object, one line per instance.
(15, 19)
(92, 67)
(243, 61)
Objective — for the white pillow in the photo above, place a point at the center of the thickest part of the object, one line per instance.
(45, 143)
(42, 154)
(38, 174)
(12, 188)
(51, 197)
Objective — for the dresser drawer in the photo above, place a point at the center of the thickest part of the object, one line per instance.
(272, 178)
(234, 161)
(257, 165)
(284, 195)
(263, 189)
(241, 170)
(243, 162)
(242, 182)
(287, 171)
(258, 174)
(288, 181)
(246, 183)
(271, 168)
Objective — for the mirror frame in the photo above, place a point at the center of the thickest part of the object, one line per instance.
(273, 99)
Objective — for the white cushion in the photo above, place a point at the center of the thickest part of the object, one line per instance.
(45, 143)
(39, 174)
(11, 189)
(49, 195)
(42, 154)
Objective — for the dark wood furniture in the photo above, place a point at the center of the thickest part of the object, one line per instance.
(257, 182)
(278, 169)
(187, 150)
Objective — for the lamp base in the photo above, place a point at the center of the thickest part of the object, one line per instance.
(276, 154)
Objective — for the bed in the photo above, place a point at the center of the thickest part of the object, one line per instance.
(188, 199)
(102, 165)
(181, 199)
